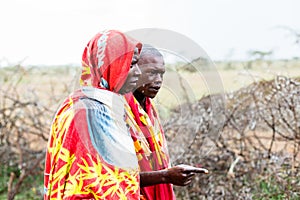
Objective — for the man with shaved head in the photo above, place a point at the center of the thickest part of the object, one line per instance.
(156, 174)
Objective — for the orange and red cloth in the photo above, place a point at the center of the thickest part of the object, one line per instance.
(150, 145)
(90, 153)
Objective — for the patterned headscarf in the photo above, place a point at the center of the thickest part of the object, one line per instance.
(102, 58)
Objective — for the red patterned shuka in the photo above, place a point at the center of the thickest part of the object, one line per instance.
(90, 153)
(150, 146)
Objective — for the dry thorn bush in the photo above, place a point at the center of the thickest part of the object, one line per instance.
(26, 113)
(256, 153)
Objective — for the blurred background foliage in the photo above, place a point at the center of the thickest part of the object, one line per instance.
(248, 136)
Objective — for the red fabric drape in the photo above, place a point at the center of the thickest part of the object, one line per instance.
(150, 146)
(77, 165)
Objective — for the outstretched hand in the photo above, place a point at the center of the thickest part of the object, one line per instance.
(183, 175)
(180, 175)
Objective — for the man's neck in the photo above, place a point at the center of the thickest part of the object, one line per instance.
(140, 97)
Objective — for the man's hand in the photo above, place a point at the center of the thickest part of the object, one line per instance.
(182, 175)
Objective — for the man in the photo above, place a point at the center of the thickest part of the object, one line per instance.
(156, 175)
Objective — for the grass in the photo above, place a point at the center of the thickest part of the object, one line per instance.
(31, 188)
(271, 188)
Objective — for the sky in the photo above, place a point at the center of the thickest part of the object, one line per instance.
(42, 32)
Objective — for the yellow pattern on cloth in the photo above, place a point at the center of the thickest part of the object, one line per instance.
(70, 173)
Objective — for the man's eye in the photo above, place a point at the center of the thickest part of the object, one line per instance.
(132, 64)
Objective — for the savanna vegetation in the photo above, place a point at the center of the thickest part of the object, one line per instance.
(248, 136)
(245, 131)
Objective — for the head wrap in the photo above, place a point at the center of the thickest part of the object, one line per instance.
(106, 60)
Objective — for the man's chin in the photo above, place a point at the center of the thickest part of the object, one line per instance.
(152, 95)
(127, 90)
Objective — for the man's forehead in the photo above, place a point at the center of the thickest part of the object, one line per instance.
(148, 58)
(152, 66)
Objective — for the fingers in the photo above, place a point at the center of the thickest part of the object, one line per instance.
(198, 170)
(183, 175)
(187, 182)
(189, 174)
(188, 168)
(189, 179)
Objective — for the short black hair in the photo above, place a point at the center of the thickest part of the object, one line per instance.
(148, 49)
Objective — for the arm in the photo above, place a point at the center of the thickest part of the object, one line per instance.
(180, 175)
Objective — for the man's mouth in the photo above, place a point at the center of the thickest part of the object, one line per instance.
(154, 89)
(134, 81)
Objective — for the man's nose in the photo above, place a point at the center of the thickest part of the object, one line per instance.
(158, 78)
(137, 70)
